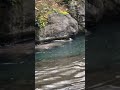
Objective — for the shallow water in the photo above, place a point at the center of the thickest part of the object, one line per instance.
(61, 68)
(71, 48)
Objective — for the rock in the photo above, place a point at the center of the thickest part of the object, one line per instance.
(59, 26)
(77, 10)
(16, 16)
(95, 10)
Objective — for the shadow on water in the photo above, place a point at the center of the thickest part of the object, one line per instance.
(17, 67)
(23, 64)
(103, 57)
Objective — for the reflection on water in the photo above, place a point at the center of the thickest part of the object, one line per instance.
(103, 56)
(103, 80)
(62, 74)
(17, 66)
(109, 87)
(19, 57)
(61, 68)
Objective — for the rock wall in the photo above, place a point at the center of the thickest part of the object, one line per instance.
(16, 19)
(77, 11)
(4, 10)
(97, 9)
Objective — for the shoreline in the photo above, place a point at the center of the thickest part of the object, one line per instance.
(49, 40)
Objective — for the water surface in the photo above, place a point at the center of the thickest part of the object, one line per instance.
(103, 57)
(72, 48)
(61, 68)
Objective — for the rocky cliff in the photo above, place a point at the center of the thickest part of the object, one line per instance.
(16, 20)
(99, 9)
(77, 11)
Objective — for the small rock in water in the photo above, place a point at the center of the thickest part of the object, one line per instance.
(70, 39)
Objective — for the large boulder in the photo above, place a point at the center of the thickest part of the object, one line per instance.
(59, 26)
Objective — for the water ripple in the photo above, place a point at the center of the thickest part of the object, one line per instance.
(65, 75)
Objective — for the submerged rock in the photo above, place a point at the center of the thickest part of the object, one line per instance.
(55, 43)
(47, 46)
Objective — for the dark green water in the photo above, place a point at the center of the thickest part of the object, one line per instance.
(72, 48)
(103, 57)
(103, 46)
(17, 61)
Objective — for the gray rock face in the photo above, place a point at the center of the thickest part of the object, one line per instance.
(59, 26)
(96, 9)
(77, 10)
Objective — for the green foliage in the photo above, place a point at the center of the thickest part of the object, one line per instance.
(42, 21)
(46, 7)
(64, 12)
